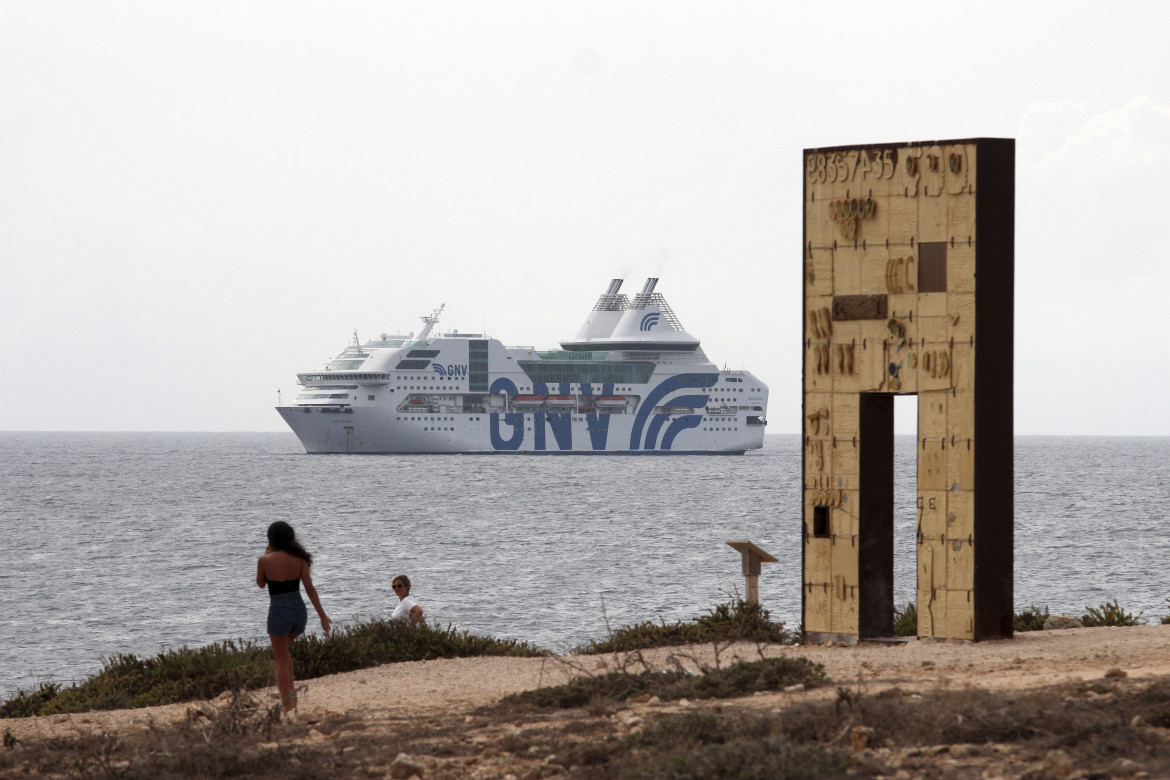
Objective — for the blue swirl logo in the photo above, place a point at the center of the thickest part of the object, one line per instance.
(649, 321)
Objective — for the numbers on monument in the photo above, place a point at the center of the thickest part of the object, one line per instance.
(871, 164)
(816, 455)
(936, 362)
(818, 422)
(848, 213)
(844, 362)
(824, 364)
(820, 323)
(898, 274)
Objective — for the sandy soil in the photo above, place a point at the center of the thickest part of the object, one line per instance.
(457, 686)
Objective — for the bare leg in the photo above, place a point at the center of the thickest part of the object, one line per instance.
(284, 671)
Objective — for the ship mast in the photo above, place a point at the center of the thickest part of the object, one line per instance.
(429, 322)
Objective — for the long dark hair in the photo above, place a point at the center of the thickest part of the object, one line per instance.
(282, 537)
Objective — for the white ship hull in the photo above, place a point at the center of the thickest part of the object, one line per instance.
(632, 382)
(377, 431)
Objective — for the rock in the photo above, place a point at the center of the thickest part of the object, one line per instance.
(794, 688)
(862, 737)
(317, 736)
(1057, 763)
(1056, 622)
(404, 767)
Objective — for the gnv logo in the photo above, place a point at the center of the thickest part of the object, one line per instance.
(450, 370)
(650, 320)
(651, 430)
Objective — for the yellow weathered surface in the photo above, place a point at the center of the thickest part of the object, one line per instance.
(867, 211)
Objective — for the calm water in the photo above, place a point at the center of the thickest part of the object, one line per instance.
(128, 543)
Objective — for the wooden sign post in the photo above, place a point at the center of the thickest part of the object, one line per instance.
(752, 556)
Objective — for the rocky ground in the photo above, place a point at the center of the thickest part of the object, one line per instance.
(1088, 702)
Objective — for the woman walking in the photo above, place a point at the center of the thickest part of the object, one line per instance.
(283, 567)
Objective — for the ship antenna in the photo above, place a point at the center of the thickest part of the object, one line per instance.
(429, 322)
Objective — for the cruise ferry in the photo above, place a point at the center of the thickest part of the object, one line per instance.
(632, 381)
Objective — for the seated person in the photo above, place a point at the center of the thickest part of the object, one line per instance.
(408, 608)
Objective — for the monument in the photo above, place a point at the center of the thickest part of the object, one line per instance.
(908, 280)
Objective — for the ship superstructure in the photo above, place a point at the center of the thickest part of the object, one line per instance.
(631, 381)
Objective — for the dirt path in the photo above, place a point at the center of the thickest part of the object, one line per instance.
(455, 686)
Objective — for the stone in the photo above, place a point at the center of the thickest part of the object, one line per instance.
(1056, 622)
(862, 737)
(404, 767)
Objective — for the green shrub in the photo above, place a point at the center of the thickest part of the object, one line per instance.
(1110, 614)
(739, 679)
(127, 681)
(1030, 619)
(906, 620)
(25, 705)
(733, 621)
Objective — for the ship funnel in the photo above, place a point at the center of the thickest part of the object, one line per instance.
(646, 323)
(606, 314)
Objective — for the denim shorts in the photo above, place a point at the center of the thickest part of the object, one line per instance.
(287, 614)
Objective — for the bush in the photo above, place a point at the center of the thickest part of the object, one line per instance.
(906, 620)
(734, 621)
(1110, 614)
(739, 679)
(127, 681)
(1030, 619)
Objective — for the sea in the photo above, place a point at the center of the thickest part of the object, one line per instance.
(133, 543)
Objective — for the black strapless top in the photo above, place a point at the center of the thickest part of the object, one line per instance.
(276, 587)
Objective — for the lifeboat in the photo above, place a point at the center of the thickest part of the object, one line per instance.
(611, 401)
(560, 400)
(527, 401)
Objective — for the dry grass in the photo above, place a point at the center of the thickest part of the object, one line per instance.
(1108, 727)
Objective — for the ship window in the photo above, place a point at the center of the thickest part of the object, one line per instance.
(579, 372)
(370, 397)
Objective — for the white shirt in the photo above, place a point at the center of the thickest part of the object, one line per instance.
(402, 611)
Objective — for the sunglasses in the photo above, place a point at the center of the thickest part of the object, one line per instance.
(398, 585)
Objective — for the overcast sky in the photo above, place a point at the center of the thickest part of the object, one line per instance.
(198, 200)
